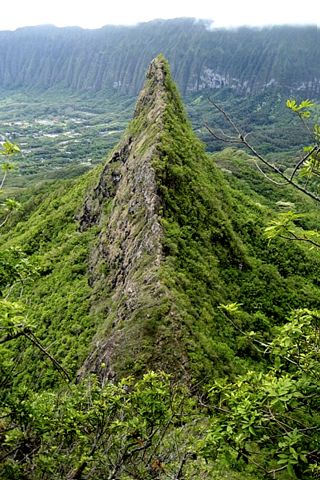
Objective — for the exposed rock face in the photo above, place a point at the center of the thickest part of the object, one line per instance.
(125, 204)
(163, 212)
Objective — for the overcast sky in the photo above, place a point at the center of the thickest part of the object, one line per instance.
(96, 13)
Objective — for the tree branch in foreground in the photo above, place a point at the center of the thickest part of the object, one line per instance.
(241, 138)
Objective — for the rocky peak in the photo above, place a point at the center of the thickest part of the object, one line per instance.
(125, 261)
(159, 204)
(152, 98)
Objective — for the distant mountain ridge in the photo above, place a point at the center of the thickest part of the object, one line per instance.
(115, 57)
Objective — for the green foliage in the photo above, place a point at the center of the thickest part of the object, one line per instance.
(219, 318)
(303, 109)
(284, 226)
(10, 205)
(271, 418)
(8, 149)
(12, 317)
(49, 275)
(311, 168)
(216, 258)
(15, 266)
(132, 429)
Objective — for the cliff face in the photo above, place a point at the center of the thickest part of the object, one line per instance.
(116, 58)
(151, 205)
(126, 205)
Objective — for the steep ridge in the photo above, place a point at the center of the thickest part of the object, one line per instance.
(152, 191)
(167, 253)
(245, 60)
(130, 241)
(135, 258)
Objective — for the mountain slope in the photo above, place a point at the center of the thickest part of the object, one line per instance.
(135, 258)
(115, 58)
(168, 253)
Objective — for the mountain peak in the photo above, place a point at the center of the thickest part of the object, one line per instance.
(158, 91)
(126, 205)
(154, 88)
(156, 197)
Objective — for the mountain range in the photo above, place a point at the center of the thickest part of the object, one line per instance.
(115, 57)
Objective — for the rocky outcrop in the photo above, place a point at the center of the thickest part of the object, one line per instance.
(126, 259)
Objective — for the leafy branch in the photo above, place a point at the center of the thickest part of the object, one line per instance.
(283, 226)
(269, 417)
(13, 325)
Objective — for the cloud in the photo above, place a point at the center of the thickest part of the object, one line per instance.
(96, 13)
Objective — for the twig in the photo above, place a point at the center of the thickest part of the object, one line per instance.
(182, 464)
(300, 239)
(267, 177)
(227, 117)
(242, 138)
(300, 163)
(222, 139)
(55, 362)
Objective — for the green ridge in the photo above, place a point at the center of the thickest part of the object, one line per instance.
(130, 265)
(199, 243)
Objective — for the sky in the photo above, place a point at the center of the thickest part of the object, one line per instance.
(97, 13)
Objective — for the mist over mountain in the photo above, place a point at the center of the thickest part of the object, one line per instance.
(115, 57)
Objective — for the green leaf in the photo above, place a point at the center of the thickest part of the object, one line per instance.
(9, 148)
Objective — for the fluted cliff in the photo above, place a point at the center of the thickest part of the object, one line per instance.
(115, 58)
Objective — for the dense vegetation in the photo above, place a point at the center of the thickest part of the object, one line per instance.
(235, 326)
(116, 57)
(66, 95)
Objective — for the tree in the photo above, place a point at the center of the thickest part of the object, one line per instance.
(271, 419)
(134, 429)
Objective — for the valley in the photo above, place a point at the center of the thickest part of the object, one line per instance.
(67, 94)
(63, 134)
(60, 134)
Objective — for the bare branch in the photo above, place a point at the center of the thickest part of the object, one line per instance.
(300, 239)
(267, 177)
(242, 138)
(5, 219)
(182, 464)
(9, 337)
(225, 138)
(3, 180)
(301, 162)
(227, 117)
(55, 362)
(274, 471)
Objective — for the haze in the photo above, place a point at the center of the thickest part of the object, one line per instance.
(96, 13)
